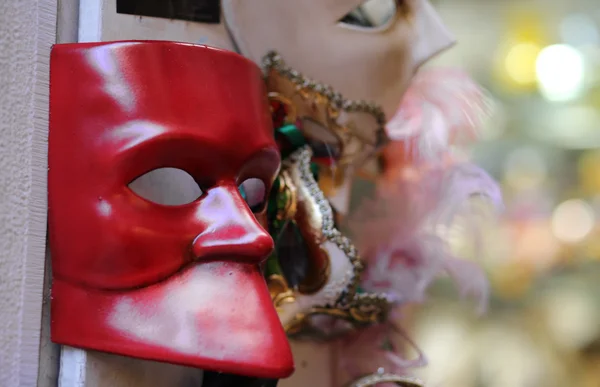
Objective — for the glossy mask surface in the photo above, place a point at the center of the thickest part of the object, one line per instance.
(179, 284)
(326, 41)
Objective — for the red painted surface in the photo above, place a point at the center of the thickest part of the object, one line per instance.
(126, 271)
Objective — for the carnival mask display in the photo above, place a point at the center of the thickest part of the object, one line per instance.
(174, 283)
(365, 49)
(314, 272)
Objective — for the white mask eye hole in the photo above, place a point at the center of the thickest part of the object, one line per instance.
(372, 15)
(167, 186)
(254, 193)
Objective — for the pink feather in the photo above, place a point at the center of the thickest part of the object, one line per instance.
(397, 230)
(425, 188)
(397, 234)
(442, 107)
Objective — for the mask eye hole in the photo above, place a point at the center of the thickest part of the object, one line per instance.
(322, 141)
(167, 186)
(372, 15)
(254, 193)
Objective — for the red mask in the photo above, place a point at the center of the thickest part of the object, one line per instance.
(179, 284)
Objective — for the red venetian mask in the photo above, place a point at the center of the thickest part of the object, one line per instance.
(179, 284)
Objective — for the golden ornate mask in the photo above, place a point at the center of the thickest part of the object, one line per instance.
(343, 134)
(314, 278)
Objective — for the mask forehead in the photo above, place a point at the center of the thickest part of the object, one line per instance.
(212, 98)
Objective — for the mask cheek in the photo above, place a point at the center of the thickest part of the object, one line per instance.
(384, 68)
(369, 60)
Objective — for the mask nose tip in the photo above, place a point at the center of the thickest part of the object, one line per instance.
(248, 244)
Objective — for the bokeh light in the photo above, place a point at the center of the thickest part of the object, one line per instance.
(560, 72)
(582, 325)
(520, 63)
(541, 61)
(589, 172)
(572, 221)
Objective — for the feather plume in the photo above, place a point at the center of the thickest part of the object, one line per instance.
(426, 190)
(441, 107)
(398, 230)
(398, 233)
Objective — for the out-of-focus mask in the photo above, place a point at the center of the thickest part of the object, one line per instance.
(175, 283)
(365, 49)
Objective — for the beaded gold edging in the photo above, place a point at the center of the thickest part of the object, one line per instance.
(302, 158)
(364, 308)
(274, 61)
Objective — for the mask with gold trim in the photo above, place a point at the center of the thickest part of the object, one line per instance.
(344, 135)
(366, 49)
(314, 273)
(313, 276)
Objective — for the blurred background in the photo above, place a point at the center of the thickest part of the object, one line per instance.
(541, 62)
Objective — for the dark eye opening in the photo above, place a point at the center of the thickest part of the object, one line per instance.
(254, 192)
(167, 186)
(372, 14)
(323, 142)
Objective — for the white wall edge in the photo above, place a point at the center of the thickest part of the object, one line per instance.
(90, 20)
(27, 31)
(72, 367)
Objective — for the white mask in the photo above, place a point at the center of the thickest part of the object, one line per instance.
(366, 50)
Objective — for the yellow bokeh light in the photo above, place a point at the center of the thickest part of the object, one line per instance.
(520, 63)
(589, 178)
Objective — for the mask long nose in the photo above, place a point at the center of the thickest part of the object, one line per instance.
(433, 35)
(232, 231)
